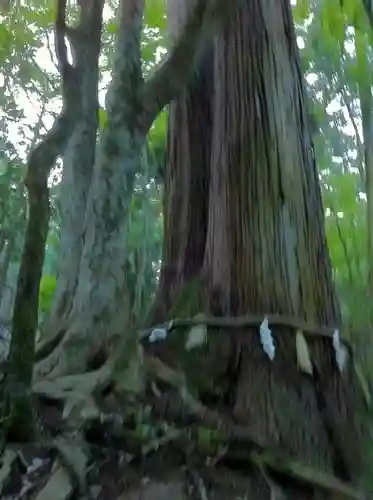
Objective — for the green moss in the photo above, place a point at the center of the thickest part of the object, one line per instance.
(128, 370)
(197, 363)
(209, 441)
(190, 300)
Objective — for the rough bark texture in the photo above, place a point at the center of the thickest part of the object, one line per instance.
(16, 407)
(187, 178)
(78, 165)
(366, 105)
(265, 249)
(272, 208)
(16, 398)
(99, 306)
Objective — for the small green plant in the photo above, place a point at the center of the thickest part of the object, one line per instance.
(46, 293)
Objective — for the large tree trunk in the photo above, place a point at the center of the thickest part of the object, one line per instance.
(77, 173)
(265, 248)
(253, 226)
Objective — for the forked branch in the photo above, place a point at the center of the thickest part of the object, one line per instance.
(25, 317)
(121, 99)
(178, 67)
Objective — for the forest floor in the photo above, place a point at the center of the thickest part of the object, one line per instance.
(107, 458)
(97, 442)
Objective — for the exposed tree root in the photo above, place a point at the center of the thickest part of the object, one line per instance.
(69, 351)
(59, 361)
(76, 386)
(48, 344)
(144, 409)
(97, 414)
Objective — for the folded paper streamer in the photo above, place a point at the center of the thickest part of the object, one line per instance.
(266, 339)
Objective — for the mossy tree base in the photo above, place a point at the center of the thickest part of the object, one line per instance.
(164, 417)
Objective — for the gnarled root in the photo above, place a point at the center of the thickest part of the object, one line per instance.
(66, 354)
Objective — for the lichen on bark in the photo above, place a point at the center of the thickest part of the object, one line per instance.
(78, 165)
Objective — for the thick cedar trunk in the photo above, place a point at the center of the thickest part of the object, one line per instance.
(268, 219)
(265, 248)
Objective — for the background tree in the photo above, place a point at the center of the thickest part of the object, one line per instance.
(336, 53)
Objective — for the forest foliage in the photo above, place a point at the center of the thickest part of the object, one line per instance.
(335, 38)
(329, 34)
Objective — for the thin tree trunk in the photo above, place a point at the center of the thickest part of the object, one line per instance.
(16, 408)
(6, 258)
(366, 106)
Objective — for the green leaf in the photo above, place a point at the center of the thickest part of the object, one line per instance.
(112, 27)
(301, 11)
(350, 8)
(102, 118)
(155, 14)
(363, 71)
(47, 289)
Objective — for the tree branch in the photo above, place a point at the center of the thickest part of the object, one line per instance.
(121, 97)
(343, 244)
(359, 143)
(60, 42)
(25, 313)
(368, 6)
(178, 67)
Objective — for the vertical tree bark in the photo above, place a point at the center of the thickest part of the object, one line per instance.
(366, 105)
(263, 167)
(16, 409)
(265, 248)
(187, 179)
(99, 308)
(6, 255)
(78, 167)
